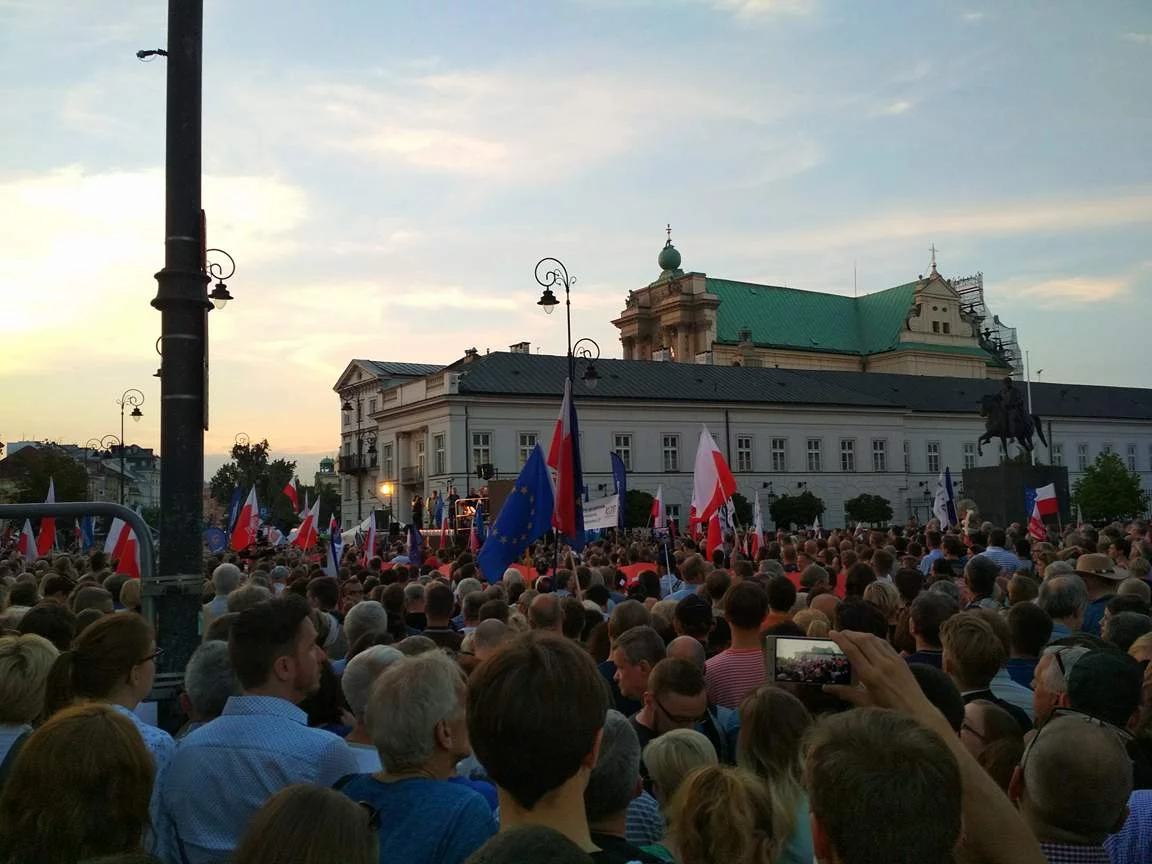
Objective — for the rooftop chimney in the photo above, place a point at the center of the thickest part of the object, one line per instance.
(521, 348)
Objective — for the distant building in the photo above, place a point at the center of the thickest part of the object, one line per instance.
(141, 472)
(326, 477)
(927, 327)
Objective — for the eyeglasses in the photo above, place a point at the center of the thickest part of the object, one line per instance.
(1121, 735)
(373, 815)
(155, 655)
(676, 718)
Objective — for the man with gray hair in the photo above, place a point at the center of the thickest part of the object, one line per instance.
(1050, 683)
(415, 715)
(1072, 787)
(367, 616)
(225, 579)
(1064, 598)
(487, 637)
(208, 683)
(360, 674)
(612, 787)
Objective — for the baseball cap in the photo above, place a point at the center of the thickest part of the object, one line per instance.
(694, 614)
(1106, 684)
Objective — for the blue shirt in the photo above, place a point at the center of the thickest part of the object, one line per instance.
(1094, 615)
(162, 747)
(425, 821)
(1007, 561)
(644, 824)
(1022, 670)
(227, 769)
(1060, 630)
(8, 736)
(1132, 844)
(926, 561)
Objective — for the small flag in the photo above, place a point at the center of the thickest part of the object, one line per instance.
(370, 540)
(46, 541)
(712, 480)
(757, 527)
(335, 544)
(86, 532)
(415, 544)
(290, 491)
(309, 528)
(715, 538)
(620, 478)
(26, 545)
(121, 546)
(234, 507)
(525, 517)
(1046, 501)
(658, 518)
(944, 504)
(564, 458)
(247, 522)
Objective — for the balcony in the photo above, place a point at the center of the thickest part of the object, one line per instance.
(413, 475)
(356, 463)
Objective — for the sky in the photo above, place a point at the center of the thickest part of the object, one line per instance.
(387, 175)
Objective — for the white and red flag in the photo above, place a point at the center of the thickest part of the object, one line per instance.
(26, 543)
(712, 480)
(370, 540)
(658, 520)
(757, 527)
(46, 541)
(290, 490)
(564, 459)
(121, 546)
(715, 535)
(309, 528)
(1046, 502)
(247, 523)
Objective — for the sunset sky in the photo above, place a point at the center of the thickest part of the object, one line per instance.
(387, 175)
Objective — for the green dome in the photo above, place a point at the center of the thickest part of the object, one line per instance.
(669, 258)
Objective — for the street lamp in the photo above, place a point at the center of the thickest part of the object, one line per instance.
(135, 398)
(386, 489)
(219, 294)
(549, 272)
(359, 466)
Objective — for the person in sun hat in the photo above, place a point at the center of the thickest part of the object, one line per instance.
(1102, 578)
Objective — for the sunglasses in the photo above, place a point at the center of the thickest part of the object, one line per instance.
(676, 718)
(1119, 734)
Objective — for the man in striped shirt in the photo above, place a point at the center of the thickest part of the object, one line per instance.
(733, 674)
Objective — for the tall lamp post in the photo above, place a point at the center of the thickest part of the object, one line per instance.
(130, 397)
(102, 447)
(358, 464)
(386, 489)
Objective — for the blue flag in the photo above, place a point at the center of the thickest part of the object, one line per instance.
(415, 544)
(234, 507)
(620, 478)
(87, 533)
(478, 524)
(525, 517)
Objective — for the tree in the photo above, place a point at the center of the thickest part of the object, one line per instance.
(743, 509)
(250, 466)
(1109, 491)
(873, 509)
(31, 468)
(799, 509)
(637, 508)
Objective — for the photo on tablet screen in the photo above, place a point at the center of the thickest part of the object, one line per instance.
(810, 661)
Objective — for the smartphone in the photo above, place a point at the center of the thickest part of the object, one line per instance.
(800, 660)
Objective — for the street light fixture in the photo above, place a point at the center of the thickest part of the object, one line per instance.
(135, 398)
(220, 295)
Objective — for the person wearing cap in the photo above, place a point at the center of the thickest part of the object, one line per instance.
(1101, 577)
(694, 618)
(1107, 685)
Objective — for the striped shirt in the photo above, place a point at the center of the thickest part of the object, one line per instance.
(733, 674)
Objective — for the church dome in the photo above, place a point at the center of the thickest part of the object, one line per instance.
(669, 257)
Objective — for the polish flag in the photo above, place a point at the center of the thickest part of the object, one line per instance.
(443, 527)
(26, 544)
(564, 457)
(47, 539)
(712, 480)
(757, 527)
(1036, 529)
(658, 520)
(290, 491)
(715, 536)
(370, 540)
(244, 532)
(306, 536)
(121, 546)
(1046, 502)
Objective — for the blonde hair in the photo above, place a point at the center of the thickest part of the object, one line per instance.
(130, 593)
(885, 597)
(772, 727)
(25, 662)
(1141, 649)
(723, 814)
(673, 756)
(806, 619)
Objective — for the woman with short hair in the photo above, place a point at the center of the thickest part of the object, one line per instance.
(308, 824)
(25, 662)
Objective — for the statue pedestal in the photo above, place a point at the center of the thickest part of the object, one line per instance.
(999, 491)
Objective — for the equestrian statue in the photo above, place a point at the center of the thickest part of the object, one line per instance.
(1006, 417)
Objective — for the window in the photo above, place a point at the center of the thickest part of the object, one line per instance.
(622, 447)
(438, 454)
(671, 453)
(933, 457)
(814, 453)
(1106, 448)
(779, 454)
(907, 458)
(527, 443)
(420, 445)
(879, 455)
(1131, 457)
(935, 326)
(1082, 457)
(1057, 454)
(481, 449)
(947, 328)
(371, 406)
(743, 452)
(848, 455)
(969, 455)
(386, 460)
(347, 417)
(672, 511)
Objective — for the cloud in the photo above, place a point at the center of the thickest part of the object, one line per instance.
(1069, 291)
(894, 109)
(972, 17)
(764, 8)
(1138, 38)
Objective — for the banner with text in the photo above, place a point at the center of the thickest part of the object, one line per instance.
(602, 512)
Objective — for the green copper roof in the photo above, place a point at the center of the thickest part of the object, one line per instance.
(811, 321)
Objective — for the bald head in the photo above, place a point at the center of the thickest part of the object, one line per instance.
(1075, 782)
(687, 648)
(825, 603)
(488, 636)
(546, 613)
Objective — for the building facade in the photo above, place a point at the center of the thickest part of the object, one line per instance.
(837, 434)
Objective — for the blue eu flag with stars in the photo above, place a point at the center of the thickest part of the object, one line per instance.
(525, 517)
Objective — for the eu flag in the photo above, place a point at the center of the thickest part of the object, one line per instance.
(525, 517)
(620, 479)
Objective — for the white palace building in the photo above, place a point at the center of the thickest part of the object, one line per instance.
(836, 395)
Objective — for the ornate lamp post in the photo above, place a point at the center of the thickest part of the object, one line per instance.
(359, 464)
(550, 272)
(134, 398)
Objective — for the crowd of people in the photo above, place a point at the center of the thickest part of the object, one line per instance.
(615, 709)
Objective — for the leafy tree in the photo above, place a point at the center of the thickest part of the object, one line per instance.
(1109, 491)
(637, 508)
(31, 469)
(873, 509)
(743, 507)
(250, 466)
(799, 509)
